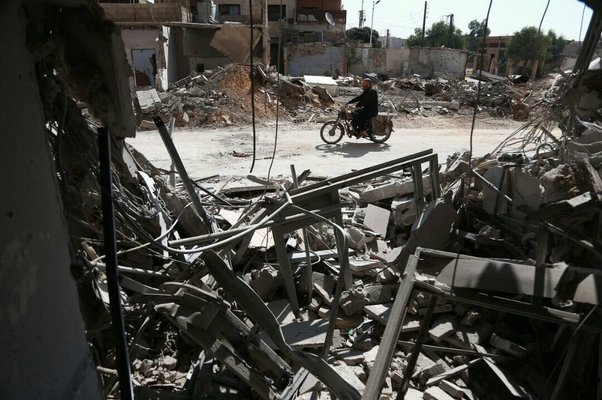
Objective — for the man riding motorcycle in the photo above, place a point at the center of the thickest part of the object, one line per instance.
(366, 108)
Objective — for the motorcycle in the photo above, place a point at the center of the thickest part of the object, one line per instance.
(379, 128)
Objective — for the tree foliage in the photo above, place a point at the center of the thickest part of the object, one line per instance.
(476, 30)
(362, 35)
(528, 45)
(439, 34)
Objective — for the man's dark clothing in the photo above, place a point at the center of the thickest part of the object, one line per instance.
(367, 108)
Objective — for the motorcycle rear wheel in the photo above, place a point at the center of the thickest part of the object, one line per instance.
(331, 132)
(379, 138)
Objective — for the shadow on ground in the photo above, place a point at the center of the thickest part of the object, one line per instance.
(353, 149)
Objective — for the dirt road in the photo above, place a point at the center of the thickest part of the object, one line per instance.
(227, 152)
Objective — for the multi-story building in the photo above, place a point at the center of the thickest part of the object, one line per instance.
(168, 39)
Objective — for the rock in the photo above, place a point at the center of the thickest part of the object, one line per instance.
(353, 300)
(147, 125)
(170, 363)
(559, 184)
(441, 329)
(404, 211)
(520, 111)
(265, 282)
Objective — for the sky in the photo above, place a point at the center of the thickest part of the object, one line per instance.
(505, 18)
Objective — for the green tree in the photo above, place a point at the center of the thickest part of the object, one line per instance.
(362, 35)
(556, 45)
(527, 45)
(439, 34)
(415, 39)
(476, 30)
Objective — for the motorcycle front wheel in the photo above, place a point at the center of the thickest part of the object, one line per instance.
(331, 132)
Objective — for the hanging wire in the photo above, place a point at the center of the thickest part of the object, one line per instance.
(252, 86)
(542, 17)
(476, 106)
(277, 100)
(581, 26)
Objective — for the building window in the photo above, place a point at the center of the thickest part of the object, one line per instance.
(229, 9)
(276, 13)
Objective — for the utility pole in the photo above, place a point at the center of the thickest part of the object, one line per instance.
(423, 25)
(451, 29)
(362, 19)
(374, 3)
(388, 39)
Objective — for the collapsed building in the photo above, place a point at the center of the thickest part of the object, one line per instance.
(477, 278)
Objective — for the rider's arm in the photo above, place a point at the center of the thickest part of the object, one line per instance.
(356, 99)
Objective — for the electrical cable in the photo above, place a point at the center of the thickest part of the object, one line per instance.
(161, 237)
(221, 243)
(476, 106)
(581, 25)
(252, 86)
(542, 17)
(277, 102)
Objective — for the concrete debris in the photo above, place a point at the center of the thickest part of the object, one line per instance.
(222, 294)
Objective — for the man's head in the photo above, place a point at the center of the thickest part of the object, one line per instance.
(366, 84)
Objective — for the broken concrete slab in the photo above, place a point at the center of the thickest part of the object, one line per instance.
(349, 356)
(353, 300)
(359, 265)
(394, 189)
(404, 211)
(377, 219)
(441, 329)
(452, 389)
(436, 393)
(348, 374)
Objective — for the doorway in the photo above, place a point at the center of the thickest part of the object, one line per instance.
(145, 66)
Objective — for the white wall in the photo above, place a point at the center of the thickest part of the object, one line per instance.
(146, 39)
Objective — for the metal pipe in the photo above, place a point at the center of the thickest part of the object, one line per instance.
(108, 223)
(231, 232)
(175, 157)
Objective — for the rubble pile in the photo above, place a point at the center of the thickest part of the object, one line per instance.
(368, 284)
(477, 279)
(500, 97)
(222, 98)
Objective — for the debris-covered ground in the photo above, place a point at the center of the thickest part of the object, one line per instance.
(471, 278)
(221, 98)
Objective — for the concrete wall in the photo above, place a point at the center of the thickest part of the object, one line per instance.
(391, 62)
(145, 38)
(435, 62)
(314, 59)
(43, 346)
(199, 50)
(146, 12)
(179, 67)
(317, 58)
